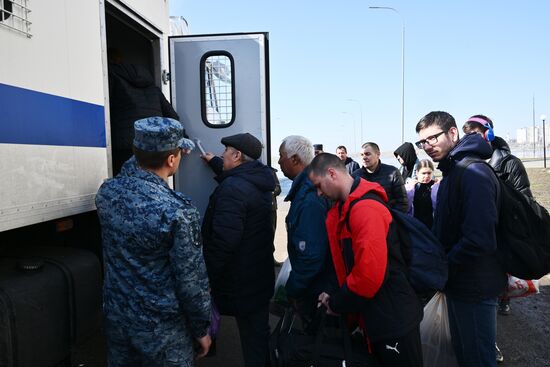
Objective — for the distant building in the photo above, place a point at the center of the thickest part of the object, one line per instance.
(521, 136)
(526, 135)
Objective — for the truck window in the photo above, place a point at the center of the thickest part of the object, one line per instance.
(14, 14)
(8, 7)
(217, 89)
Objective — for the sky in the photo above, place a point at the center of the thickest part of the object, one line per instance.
(464, 57)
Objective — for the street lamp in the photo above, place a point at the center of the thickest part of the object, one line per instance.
(402, 67)
(361, 110)
(543, 118)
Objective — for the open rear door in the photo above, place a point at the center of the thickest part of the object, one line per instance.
(220, 87)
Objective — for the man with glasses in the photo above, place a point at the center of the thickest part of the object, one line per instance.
(387, 176)
(465, 222)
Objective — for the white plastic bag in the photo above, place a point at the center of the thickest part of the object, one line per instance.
(282, 277)
(521, 288)
(435, 334)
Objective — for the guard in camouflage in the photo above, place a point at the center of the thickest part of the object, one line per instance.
(156, 299)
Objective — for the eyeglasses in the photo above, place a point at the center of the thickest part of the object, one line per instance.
(429, 140)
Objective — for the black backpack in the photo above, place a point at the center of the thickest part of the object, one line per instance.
(424, 256)
(523, 230)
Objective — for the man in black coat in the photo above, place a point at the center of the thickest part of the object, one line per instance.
(351, 165)
(506, 165)
(406, 155)
(387, 176)
(238, 242)
(133, 96)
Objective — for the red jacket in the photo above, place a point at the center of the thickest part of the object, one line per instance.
(368, 236)
(369, 266)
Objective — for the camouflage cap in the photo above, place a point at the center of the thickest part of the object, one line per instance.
(160, 134)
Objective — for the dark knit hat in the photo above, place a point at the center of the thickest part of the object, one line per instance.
(318, 146)
(245, 143)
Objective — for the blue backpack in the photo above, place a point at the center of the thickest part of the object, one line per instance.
(424, 256)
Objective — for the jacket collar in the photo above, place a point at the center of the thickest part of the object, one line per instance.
(132, 169)
(301, 180)
(359, 188)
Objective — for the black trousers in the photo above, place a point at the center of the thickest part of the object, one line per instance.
(254, 335)
(405, 351)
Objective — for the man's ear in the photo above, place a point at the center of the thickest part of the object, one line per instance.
(453, 133)
(171, 160)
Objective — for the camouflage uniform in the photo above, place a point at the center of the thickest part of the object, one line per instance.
(156, 299)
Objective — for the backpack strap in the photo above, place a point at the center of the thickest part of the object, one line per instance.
(461, 167)
(367, 196)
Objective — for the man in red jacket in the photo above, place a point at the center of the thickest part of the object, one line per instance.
(369, 265)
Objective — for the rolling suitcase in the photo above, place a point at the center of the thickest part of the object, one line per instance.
(50, 300)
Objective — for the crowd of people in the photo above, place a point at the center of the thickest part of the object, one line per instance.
(165, 268)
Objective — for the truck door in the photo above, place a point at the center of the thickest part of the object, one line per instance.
(219, 87)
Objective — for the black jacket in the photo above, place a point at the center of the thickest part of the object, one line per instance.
(465, 222)
(133, 96)
(509, 167)
(391, 180)
(408, 154)
(351, 165)
(238, 239)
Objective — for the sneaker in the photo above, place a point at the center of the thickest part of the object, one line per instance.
(499, 356)
(504, 308)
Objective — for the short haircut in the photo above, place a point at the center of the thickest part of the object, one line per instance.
(374, 146)
(153, 160)
(323, 161)
(299, 146)
(424, 163)
(343, 148)
(440, 118)
(245, 158)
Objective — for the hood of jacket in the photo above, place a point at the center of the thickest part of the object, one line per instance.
(136, 75)
(254, 172)
(407, 152)
(499, 143)
(471, 145)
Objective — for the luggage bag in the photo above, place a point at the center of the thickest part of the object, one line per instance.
(331, 346)
(50, 300)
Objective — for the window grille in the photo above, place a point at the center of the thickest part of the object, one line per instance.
(217, 102)
(14, 15)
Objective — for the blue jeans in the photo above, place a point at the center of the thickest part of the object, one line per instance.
(473, 331)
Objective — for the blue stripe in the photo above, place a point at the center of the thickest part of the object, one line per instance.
(30, 117)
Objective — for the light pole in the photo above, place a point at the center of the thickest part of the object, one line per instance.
(534, 141)
(361, 111)
(402, 66)
(543, 118)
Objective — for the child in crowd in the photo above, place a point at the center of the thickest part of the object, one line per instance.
(422, 193)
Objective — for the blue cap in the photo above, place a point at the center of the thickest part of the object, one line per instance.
(160, 134)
